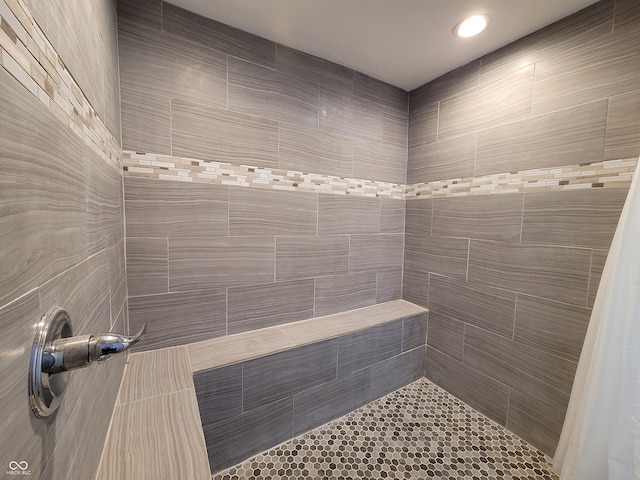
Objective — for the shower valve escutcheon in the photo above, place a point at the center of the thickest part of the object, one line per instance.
(55, 352)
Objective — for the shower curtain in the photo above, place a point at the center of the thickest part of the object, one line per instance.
(600, 439)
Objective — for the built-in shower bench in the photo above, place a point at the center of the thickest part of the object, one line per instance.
(238, 395)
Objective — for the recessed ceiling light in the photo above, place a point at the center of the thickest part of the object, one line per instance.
(472, 26)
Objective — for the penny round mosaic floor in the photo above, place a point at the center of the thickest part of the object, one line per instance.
(419, 431)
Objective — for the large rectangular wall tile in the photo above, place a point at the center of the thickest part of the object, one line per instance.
(237, 438)
(157, 208)
(256, 212)
(208, 133)
(283, 374)
(312, 69)
(219, 393)
(443, 160)
(551, 327)
(580, 218)
(441, 255)
(395, 130)
(490, 217)
(415, 286)
(197, 263)
(375, 252)
(146, 122)
(389, 99)
(331, 400)
(414, 331)
(451, 83)
(506, 100)
(486, 308)
(566, 137)
(178, 318)
(311, 256)
(260, 306)
(598, 260)
(599, 68)
(376, 161)
(388, 284)
(396, 372)
(267, 93)
(308, 150)
(556, 273)
(367, 347)
(446, 335)
(345, 115)
(477, 390)
(150, 374)
(627, 14)
(418, 216)
(392, 214)
(347, 214)
(517, 365)
(539, 423)
(224, 38)
(623, 138)
(147, 266)
(423, 125)
(338, 293)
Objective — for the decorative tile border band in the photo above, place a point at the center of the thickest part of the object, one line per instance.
(29, 57)
(607, 174)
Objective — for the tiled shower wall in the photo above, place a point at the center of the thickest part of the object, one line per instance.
(61, 223)
(510, 278)
(207, 260)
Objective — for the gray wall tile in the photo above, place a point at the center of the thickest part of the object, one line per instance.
(362, 349)
(388, 284)
(414, 331)
(237, 438)
(307, 150)
(204, 31)
(311, 256)
(454, 158)
(446, 335)
(146, 122)
(375, 252)
(506, 100)
(267, 93)
(280, 375)
(377, 161)
(598, 260)
(392, 214)
(444, 256)
(391, 100)
(456, 81)
(328, 401)
(415, 286)
(178, 318)
(395, 130)
(486, 308)
(346, 214)
(157, 208)
(257, 212)
(219, 393)
(477, 390)
(209, 133)
(551, 327)
(423, 124)
(580, 218)
(489, 217)
(418, 217)
(147, 266)
(623, 118)
(205, 262)
(627, 15)
(338, 293)
(396, 372)
(563, 138)
(260, 306)
(343, 114)
(556, 273)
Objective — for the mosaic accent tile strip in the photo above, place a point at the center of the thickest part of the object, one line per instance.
(30, 58)
(419, 431)
(605, 174)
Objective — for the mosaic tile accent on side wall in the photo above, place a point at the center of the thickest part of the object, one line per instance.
(419, 431)
(606, 174)
(30, 58)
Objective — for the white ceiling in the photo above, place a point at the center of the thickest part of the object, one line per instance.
(402, 42)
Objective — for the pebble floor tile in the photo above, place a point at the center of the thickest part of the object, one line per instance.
(419, 431)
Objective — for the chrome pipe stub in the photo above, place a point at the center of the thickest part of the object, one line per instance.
(46, 389)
